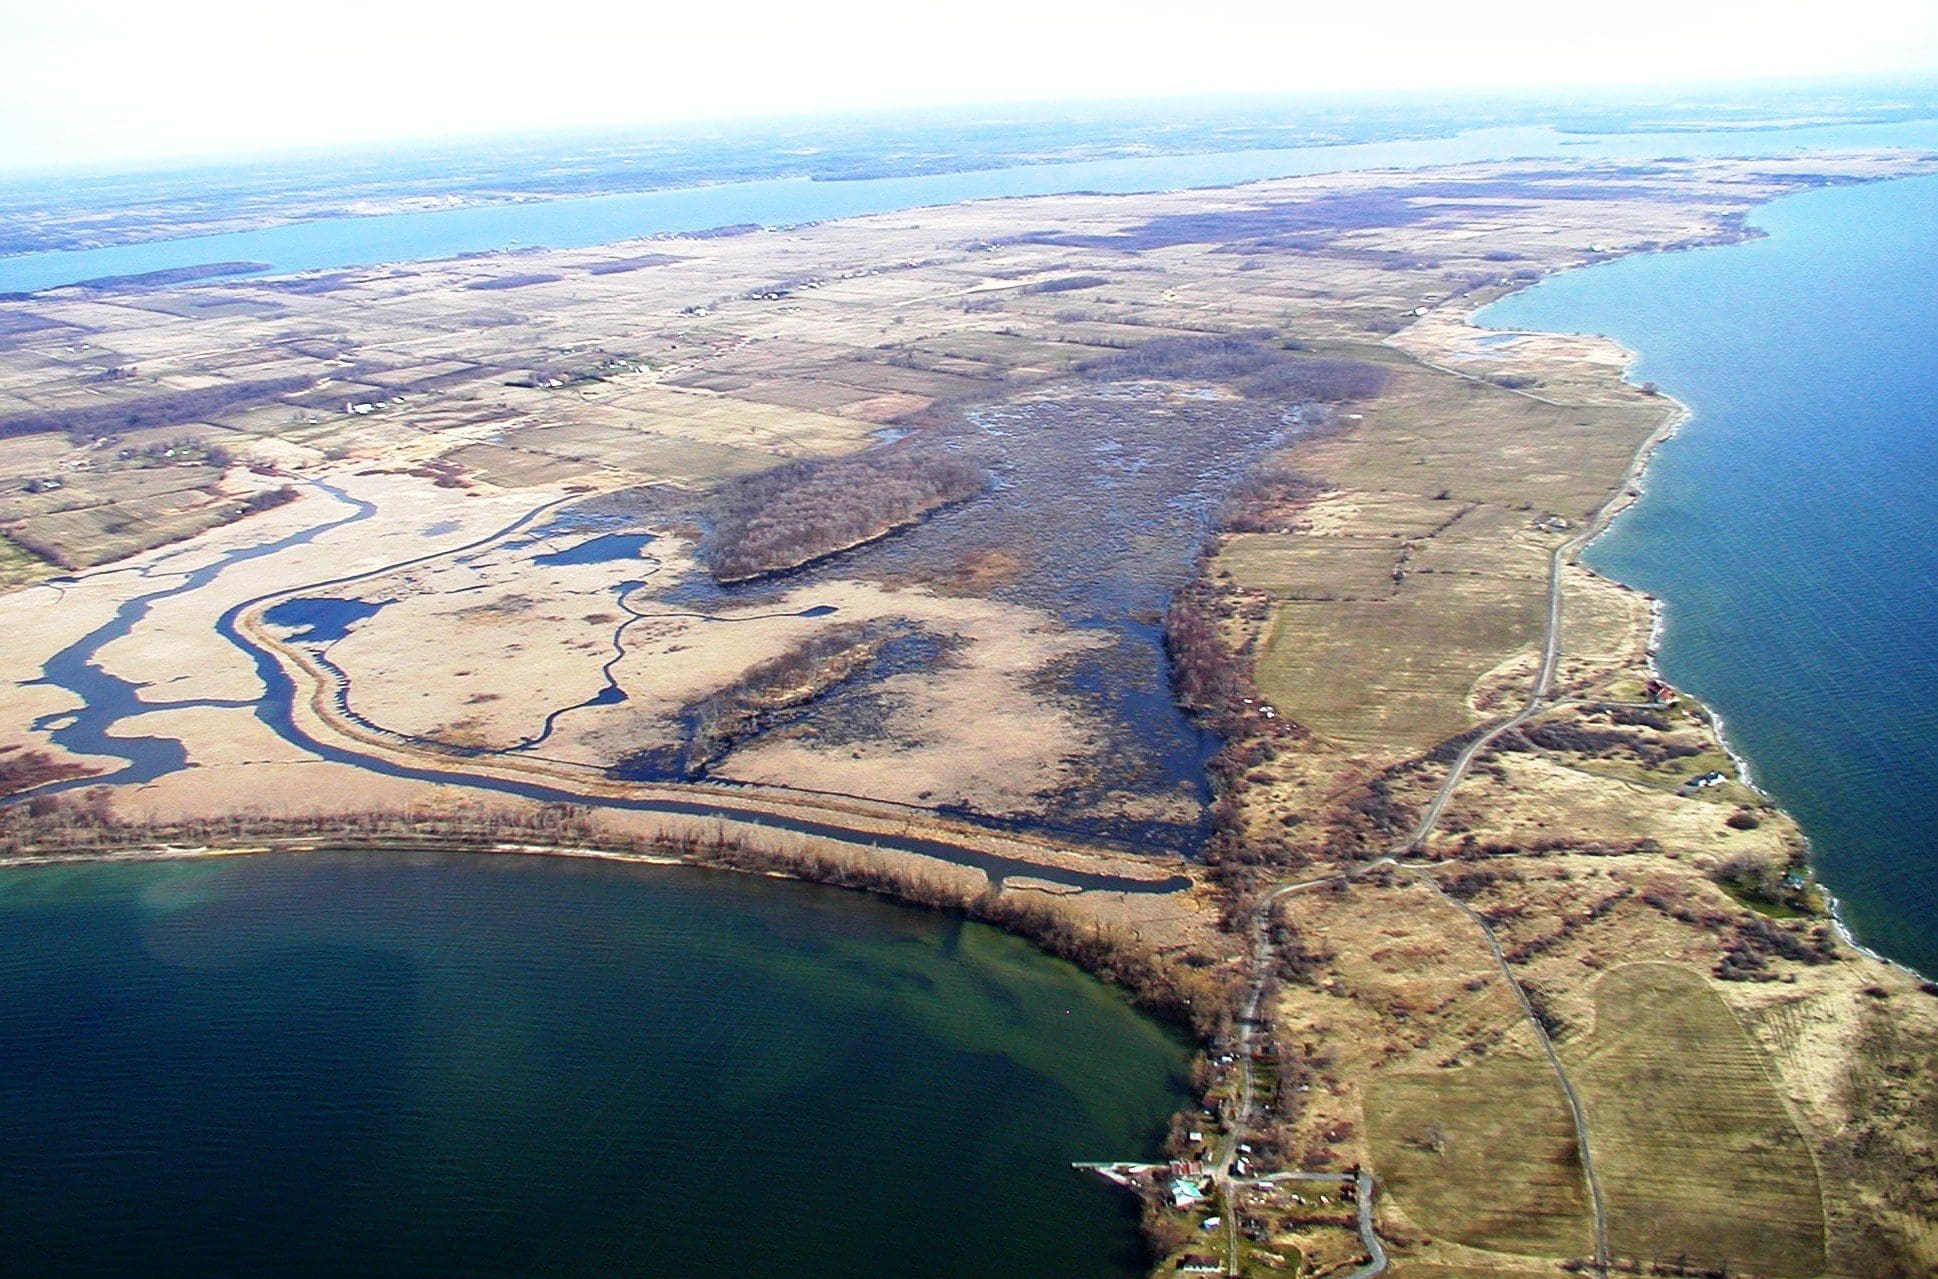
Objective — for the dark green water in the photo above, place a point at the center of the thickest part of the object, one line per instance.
(373, 1065)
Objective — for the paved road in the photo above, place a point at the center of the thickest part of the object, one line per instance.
(1558, 560)
(1240, 1125)
(1363, 1185)
(1547, 1046)
(1537, 701)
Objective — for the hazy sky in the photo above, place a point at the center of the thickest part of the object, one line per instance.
(89, 80)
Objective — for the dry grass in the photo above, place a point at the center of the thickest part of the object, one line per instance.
(643, 454)
(1697, 1154)
(17, 564)
(1483, 1155)
(1434, 431)
(1426, 567)
(516, 467)
(1446, 477)
(1394, 674)
(1298, 567)
(98, 517)
(1440, 1270)
(1522, 799)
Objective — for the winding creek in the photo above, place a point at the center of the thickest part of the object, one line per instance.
(427, 1065)
(107, 699)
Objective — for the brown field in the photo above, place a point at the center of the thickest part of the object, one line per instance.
(1437, 1270)
(1292, 567)
(1395, 675)
(1435, 432)
(1483, 1155)
(1402, 604)
(1425, 568)
(1698, 1154)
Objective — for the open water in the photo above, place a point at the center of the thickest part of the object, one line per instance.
(1791, 527)
(579, 221)
(410, 1065)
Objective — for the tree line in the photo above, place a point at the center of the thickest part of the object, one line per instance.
(805, 511)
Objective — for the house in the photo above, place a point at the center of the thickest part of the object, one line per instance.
(1196, 1263)
(1186, 1191)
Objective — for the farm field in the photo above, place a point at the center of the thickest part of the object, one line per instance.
(1701, 1157)
(1483, 1155)
(1245, 530)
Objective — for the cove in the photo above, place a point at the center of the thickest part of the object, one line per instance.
(372, 1064)
(1787, 528)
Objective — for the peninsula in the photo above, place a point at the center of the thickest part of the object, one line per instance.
(1181, 580)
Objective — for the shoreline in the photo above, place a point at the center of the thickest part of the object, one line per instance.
(1290, 811)
(1634, 489)
(475, 202)
(1055, 921)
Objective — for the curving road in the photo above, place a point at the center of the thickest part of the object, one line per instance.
(1240, 1126)
(1575, 1110)
(1538, 700)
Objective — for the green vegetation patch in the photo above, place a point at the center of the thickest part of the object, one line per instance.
(18, 564)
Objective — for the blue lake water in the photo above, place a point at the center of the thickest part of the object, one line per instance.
(581, 221)
(1789, 527)
(321, 620)
(404, 1065)
(603, 549)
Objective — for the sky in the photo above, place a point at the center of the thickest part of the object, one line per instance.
(89, 81)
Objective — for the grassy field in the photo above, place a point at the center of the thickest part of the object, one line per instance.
(1483, 1155)
(1464, 1122)
(107, 517)
(18, 564)
(1400, 606)
(1434, 431)
(1294, 567)
(1431, 1270)
(1394, 674)
(1697, 1155)
(1425, 567)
